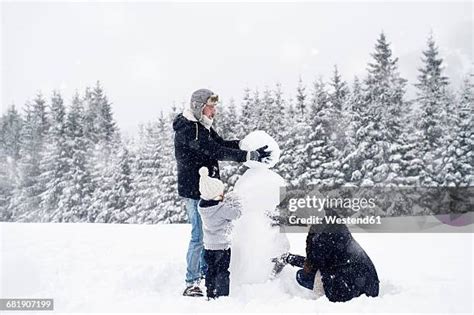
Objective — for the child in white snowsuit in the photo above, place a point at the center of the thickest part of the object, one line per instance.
(217, 214)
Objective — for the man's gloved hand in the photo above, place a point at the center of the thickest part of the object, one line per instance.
(260, 155)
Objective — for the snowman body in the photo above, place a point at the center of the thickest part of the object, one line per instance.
(255, 241)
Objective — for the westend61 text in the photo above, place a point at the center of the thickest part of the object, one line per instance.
(334, 220)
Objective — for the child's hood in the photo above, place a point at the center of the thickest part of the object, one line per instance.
(229, 209)
(209, 210)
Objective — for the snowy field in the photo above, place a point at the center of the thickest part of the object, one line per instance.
(140, 268)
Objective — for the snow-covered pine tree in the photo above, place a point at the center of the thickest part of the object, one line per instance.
(300, 99)
(107, 127)
(171, 208)
(123, 197)
(229, 130)
(251, 118)
(411, 160)
(102, 174)
(338, 100)
(146, 180)
(247, 116)
(54, 164)
(319, 96)
(291, 111)
(432, 123)
(352, 118)
(293, 165)
(257, 111)
(380, 137)
(6, 187)
(465, 133)
(278, 116)
(100, 128)
(107, 132)
(117, 195)
(28, 187)
(323, 157)
(458, 164)
(101, 147)
(340, 91)
(10, 132)
(266, 119)
(77, 186)
(90, 112)
(226, 121)
(134, 147)
(232, 117)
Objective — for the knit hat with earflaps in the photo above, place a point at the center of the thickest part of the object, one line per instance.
(210, 188)
(198, 100)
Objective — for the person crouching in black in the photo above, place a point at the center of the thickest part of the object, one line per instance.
(335, 264)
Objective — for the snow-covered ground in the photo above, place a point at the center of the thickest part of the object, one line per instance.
(140, 268)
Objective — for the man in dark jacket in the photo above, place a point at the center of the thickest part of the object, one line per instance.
(197, 144)
(335, 264)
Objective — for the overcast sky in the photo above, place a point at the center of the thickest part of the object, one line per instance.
(148, 55)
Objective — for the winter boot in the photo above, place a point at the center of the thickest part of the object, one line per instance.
(193, 290)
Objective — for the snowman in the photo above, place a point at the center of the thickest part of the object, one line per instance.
(255, 240)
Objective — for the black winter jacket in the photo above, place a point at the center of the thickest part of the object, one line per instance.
(195, 146)
(346, 269)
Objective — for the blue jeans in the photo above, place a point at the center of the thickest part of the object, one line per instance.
(196, 265)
